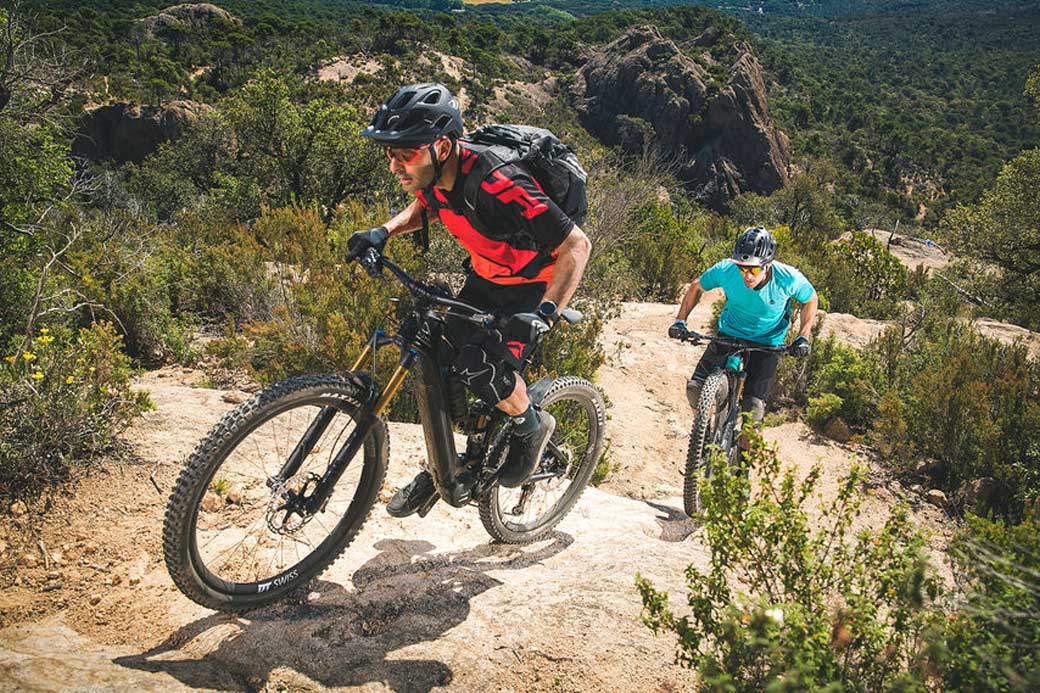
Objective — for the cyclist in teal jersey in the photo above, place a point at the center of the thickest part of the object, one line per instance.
(759, 292)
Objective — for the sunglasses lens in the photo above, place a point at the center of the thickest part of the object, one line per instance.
(403, 156)
(753, 271)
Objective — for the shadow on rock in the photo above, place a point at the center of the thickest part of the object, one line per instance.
(675, 524)
(340, 637)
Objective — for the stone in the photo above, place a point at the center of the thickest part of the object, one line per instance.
(57, 558)
(28, 560)
(115, 580)
(134, 580)
(937, 498)
(53, 575)
(95, 599)
(980, 495)
(197, 16)
(18, 508)
(234, 495)
(126, 132)
(233, 397)
(642, 88)
(212, 503)
(90, 547)
(837, 430)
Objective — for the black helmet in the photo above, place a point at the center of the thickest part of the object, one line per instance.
(416, 115)
(756, 246)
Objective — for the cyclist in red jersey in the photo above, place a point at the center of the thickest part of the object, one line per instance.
(526, 258)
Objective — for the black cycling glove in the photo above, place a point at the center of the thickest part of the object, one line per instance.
(363, 240)
(800, 347)
(678, 330)
(526, 327)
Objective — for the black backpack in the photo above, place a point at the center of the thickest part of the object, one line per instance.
(549, 161)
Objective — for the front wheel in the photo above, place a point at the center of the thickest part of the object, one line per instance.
(235, 537)
(522, 515)
(708, 433)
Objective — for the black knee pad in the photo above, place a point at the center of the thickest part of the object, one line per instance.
(757, 407)
(693, 391)
(489, 378)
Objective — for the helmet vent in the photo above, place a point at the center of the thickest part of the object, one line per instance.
(403, 99)
(432, 98)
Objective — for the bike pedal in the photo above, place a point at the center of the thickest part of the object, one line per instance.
(428, 505)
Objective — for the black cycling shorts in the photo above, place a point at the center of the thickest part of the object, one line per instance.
(760, 366)
(486, 364)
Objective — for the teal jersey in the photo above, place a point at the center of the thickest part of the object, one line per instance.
(759, 315)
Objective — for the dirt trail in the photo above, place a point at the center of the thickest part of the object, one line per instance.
(413, 604)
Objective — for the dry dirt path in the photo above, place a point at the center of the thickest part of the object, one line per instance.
(414, 604)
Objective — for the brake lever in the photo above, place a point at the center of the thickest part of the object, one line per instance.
(370, 260)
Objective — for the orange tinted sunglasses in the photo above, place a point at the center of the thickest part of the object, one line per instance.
(753, 270)
(405, 155)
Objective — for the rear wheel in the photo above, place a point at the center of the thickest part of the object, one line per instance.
(233, 539)
(707, 435)
(522, 515)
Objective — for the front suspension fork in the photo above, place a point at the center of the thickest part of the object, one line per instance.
(370, 411)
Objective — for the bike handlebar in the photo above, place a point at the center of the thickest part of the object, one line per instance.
(696, 338)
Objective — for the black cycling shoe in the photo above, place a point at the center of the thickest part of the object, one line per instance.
(419, 494)
(525, 452)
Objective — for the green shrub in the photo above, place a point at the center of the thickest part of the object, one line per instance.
(864, 278)
(793, 604)
(843, 371)
(823, 408)
(667, 253)
(992, 634)
(62, 404)
(964, 400)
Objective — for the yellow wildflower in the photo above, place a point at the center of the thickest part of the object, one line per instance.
(69, 380)
(11, 359)
(44, 330)
(37, 375)
(28, 355)
(92, 369)
(45, 339)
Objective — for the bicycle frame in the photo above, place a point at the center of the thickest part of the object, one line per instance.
(418, 337)
(735, 366)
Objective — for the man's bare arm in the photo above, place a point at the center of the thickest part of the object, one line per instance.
(690, 299)
(570, 267)
(407, 220)
(808, 316)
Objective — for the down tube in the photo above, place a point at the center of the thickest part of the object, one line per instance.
(436, 421)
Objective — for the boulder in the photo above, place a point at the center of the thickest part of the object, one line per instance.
(837, 430)
(194, 15)
(980, 495)
(123, 132)
(642, 89)
(937, 498)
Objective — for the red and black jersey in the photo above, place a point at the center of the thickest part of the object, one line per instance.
(514, 231)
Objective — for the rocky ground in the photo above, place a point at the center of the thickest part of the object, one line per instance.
(414, 604)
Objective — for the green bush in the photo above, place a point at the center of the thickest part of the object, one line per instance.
(62, 404)
(823, 408)
(992, 633)
(964, 400)
(864, 278)
(667, 253)
(816, 607)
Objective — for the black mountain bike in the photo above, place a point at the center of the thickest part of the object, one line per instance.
(718, 423)
(282, 485)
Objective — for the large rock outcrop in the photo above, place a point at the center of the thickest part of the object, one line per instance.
(124, 132)
(642, 89)
(197, 16)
